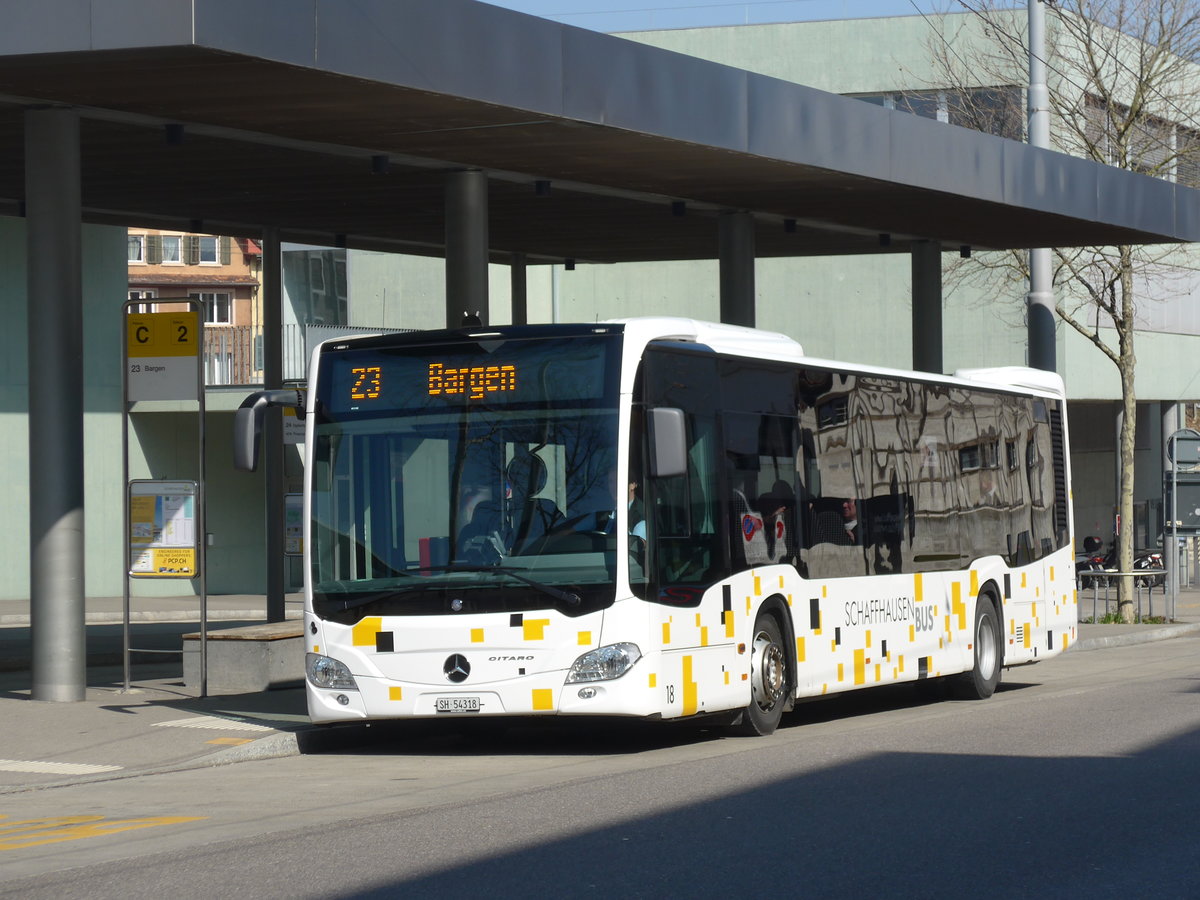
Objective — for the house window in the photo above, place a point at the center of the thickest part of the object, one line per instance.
(969, 459)
(137, 248)
(171, 250)
(217, 307)
(208, 251)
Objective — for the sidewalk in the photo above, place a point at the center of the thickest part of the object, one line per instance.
(160, 725)
(155, 624)
(1095, 637)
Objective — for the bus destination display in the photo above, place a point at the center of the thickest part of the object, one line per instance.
(474, 381)
(372, 381)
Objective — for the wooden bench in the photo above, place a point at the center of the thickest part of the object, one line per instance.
(248, 658)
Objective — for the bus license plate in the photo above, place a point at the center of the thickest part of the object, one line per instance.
(457, 704)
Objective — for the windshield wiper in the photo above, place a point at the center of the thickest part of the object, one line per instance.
(568, 597)
(369, 598)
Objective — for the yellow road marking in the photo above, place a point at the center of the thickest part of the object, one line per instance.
(231, 741)
(21, 834)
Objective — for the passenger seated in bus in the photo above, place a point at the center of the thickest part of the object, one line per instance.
(603, 519)
(835, 521)
(637, 510)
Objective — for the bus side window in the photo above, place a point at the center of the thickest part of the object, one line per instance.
(760, 466)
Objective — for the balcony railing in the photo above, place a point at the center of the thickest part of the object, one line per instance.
(233, 354)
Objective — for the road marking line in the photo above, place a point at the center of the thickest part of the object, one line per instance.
(36, 832)
(231, 742)
(215, 723)
(53, 768)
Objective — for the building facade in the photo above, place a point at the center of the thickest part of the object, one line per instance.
(221, 273)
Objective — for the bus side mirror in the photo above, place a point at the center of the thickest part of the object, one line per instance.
(667, 432)
(247, 424)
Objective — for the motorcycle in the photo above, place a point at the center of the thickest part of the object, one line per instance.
(1149, 562)
(1091, 560)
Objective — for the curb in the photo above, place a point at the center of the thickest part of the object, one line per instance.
(279, 745)
(1129, 638)
(274, 746)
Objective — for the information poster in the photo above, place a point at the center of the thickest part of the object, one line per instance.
(162, 529)
(293, 524)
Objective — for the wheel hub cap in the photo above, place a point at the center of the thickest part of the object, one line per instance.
(768, 673)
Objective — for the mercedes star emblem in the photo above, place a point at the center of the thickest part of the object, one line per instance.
(457, 668)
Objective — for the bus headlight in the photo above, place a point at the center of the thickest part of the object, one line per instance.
(604, 663)
(327, 672)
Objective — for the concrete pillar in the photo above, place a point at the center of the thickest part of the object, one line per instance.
(466, 246)
(273, 466)
(927, 306)
(520, 292)
(736, 254)
(1043, 352)
(55, 302)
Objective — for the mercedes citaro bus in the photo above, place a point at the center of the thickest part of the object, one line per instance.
(666, 518)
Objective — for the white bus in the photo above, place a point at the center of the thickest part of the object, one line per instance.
(666, 518)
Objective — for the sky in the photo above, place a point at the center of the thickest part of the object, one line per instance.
(641, 15)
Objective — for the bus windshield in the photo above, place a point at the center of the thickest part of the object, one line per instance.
(469, 474)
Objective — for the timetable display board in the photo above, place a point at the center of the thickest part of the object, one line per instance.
(162, 529)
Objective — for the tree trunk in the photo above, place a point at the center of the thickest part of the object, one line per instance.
(1128, 431)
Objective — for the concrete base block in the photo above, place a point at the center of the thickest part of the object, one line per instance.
(249, 658)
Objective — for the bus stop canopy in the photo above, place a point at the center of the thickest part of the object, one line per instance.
(336, 121)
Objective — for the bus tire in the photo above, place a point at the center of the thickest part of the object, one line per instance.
(769, 679)
(980, 682)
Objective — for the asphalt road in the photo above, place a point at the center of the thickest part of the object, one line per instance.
(1081, 778)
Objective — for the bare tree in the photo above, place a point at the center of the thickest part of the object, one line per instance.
(1124, 91)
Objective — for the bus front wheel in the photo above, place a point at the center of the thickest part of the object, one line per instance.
(768, 679)
(980, 682)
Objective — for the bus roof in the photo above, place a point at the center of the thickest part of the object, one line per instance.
(771, 345)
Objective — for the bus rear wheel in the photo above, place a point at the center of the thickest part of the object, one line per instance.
(769, 679)
(981, 681)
